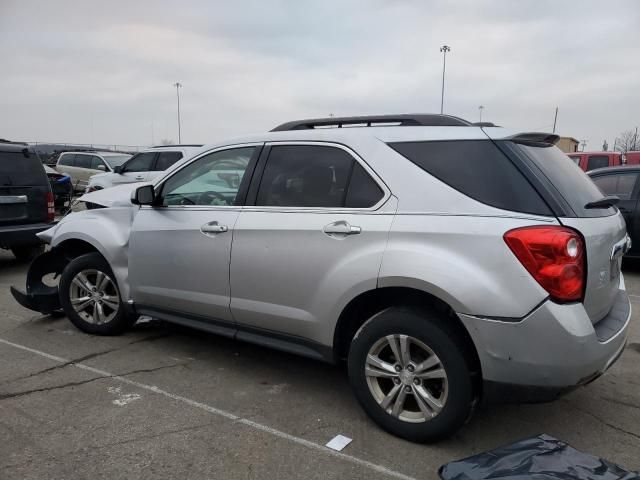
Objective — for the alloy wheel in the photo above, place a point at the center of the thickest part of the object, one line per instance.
(406, 378)
(94, 296)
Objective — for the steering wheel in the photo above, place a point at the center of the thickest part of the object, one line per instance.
(207, 198)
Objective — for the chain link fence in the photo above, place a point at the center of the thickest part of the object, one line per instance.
(49, 152)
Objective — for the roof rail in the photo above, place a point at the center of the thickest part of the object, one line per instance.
(403, 120)
(484, 124)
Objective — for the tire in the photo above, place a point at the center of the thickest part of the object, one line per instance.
(430, 339)
(96, 314)
(27, 252)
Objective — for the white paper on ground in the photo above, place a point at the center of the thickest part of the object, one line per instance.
(338, 442)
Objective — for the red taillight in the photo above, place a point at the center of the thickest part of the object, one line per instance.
(51, 207)
(554, 256)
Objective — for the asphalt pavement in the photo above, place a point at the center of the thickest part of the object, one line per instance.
(163, 401)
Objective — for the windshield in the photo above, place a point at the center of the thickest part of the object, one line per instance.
(568, 178)
(116, 160)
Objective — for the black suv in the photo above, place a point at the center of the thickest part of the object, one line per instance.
(26, 201)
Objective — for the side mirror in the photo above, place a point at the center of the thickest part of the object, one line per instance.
(118, 169)
(143, 195)
(102, 167)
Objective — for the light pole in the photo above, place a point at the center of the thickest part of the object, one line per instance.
(178, 85)
(444, 49)
(481, 107)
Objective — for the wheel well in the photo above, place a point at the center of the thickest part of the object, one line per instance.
(364, 306)
(74, 248)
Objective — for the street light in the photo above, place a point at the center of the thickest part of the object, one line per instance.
(481, 107)
(178, 85)
(444, 49)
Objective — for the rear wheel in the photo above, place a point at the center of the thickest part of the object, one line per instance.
(27, 252)
(410, 375)
(90, 297)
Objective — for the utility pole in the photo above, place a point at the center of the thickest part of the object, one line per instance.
(555, 119)
(481, 107)
(583, 143)
(178, 85)
(444, 49)
(635, 140)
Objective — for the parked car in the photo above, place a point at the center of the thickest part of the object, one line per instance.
(622, 182)
(633, 158)
(591, 160)
(61, 187)
(26, 200)
(82, 165)
(445, 262)
(142, 167)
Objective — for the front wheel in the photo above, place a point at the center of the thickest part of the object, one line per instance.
(90, 297)
(410, 375)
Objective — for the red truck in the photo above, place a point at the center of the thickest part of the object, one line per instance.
(592, 160)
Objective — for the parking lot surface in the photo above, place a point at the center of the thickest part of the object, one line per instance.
(168, 402)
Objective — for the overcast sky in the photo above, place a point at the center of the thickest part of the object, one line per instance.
(102, 71)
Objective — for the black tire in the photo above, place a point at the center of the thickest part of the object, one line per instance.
(27, 252)
(121, 321)
(432, 330)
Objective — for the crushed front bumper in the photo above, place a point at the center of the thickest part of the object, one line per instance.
(39, 296)
(555, 349)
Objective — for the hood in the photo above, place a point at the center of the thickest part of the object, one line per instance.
(100, 175)
(118, 196)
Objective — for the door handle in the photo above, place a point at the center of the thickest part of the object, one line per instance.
(341, 227)
(213, 227)
(139, 177)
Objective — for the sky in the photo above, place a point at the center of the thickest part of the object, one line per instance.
(102, 72)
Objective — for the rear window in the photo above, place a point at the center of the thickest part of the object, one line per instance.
(18, 170)
(572, 183)
(478, 169)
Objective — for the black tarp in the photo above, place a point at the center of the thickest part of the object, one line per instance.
(537, 458)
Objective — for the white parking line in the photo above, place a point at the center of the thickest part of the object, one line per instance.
(222, 413)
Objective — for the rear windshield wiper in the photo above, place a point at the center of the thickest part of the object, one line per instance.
(604, 202)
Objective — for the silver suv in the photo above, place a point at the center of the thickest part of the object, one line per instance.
(445, 262)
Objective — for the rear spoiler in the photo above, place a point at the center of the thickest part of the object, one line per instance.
(535, 139)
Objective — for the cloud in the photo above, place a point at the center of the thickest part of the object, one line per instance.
(102, 72)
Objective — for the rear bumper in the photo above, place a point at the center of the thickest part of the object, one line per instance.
(553, 350)
(20, 235)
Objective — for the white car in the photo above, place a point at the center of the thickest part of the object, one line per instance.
(80, 166)
(142, 167)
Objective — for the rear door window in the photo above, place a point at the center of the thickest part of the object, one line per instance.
(166, 159)
(478, 169)
(575, 160)
(305, 176)
(621, 185)
(16, 169)
(597, 161)
(83, 161)
(363, 191)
